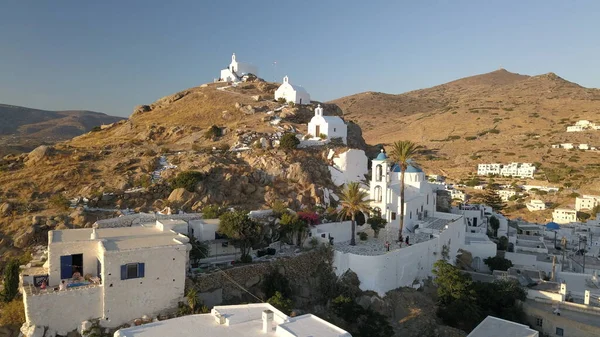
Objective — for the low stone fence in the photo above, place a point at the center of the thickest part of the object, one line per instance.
(134, 219)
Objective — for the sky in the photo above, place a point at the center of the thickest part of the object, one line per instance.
(110, 56)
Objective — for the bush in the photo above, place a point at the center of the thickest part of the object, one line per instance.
(260, 253)
(96, 129)
(275, 282)
(246, 258)
(13, 314)
(470, 138)
(187, 180)
(363, 236)
(271, 251)
(323, 136)
(289, 141)
(498, 263)
(213, 132)
(281, 100)
(60, 201)
(212, 212)
(11, 280)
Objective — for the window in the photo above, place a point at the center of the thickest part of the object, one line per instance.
(560, 332)
(539, 322)
(333, 129)
(378, 194)
(378, 173)
(132, 270)
(427, 199)
(393, 215)
(410, 214)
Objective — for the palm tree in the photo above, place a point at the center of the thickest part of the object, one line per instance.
(402, 154)
(353, 200)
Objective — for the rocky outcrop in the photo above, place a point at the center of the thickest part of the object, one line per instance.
(39, 154)
(182, 198)
(355, 139)
(6, 208)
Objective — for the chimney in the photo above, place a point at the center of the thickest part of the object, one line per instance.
(586, 299)
(94, 235)
(219, 319)
(267, 319)
(563, 291)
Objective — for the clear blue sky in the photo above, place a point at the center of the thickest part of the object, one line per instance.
(112, 55)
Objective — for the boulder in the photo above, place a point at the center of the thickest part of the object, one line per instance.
(24, 239)
(180, 196)
(36, 220)
(38, 154)
(29, 330)
(141, 109)
(257, 98)
(5, 208)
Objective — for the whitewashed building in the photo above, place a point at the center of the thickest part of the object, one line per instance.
(329, 126)
(126, 273)
(493, 326)
(587, 202)
(583, 125)
(458, 194)
(349, 166)
(420, 197)
(260, 319)
(236, 70)
(564, 215)
(505, 195)
(522, 170)
(535, 205)
(292, 93)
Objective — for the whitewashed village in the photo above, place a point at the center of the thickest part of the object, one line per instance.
(386, 224)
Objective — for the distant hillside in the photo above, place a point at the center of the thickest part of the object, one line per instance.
(22, 129)
(494, 117)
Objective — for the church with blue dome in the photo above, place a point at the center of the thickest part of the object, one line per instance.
(419, 194)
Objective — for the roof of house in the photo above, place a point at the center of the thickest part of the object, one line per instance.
(242, 321)
(121, 238)
(496, 327)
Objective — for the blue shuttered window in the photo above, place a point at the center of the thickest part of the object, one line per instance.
(133, 270)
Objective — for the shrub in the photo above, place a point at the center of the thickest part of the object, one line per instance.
(213, 132)
(246, 258)
(11, 280)
(363, 236)
(289, 141)
(498, 263)
(59, 201)
(494, 131)
(281, 303)
(323, 136)
(271, 251)
(187, 180)
(276, 282)
(96, 129)
(13, 313)
(212, 212)
(281, 100)
(470, 138)
(291, 104)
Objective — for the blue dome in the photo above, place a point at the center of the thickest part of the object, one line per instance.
(552, 225)
(381, 156)
(409, 169)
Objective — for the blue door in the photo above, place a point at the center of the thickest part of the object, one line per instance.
(66, 266)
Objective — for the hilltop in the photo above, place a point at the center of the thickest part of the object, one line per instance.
(495, 117)
(22, 129)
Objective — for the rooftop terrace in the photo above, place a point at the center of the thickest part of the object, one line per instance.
(120, 238)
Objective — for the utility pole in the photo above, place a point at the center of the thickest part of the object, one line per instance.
(563, 241)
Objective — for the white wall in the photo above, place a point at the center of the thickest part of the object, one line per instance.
(162, 286)
(349, 166)
(89, 249)
(64, 310)
(401, 267)
(340, 231)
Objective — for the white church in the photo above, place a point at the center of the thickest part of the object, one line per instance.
(330, 126)
(237, 70)
(419, 195)
(292, 93)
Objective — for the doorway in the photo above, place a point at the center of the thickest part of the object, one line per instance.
(317, 131)
(69, 264)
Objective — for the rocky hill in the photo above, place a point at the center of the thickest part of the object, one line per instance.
(22, 129)
(227, 134)
(494, 117)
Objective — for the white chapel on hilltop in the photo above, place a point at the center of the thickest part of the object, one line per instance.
(237, 70)
(292, 93)
(330, 126)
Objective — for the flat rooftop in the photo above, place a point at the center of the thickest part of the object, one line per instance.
(377, 246)
(121, 238)
(242, 321)
(496, 327)
(577, 316)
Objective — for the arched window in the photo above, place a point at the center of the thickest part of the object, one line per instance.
(378, 195)
(377, 211)
(378, 173)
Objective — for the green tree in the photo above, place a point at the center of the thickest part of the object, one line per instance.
(243, 231)
(503, 243)
(289, 141)
(294, 228)
(275, 282)
(403, 153)
(11, 280)
(187, 180)
(353, 200)
(492, 198)
(281, 303)
(360, 322)
(377, 223)
(199, 249)
(495, 224)
(452, 283)
(498, 263)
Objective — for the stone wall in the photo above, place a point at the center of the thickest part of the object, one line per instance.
(134, 219)
(302, 269)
